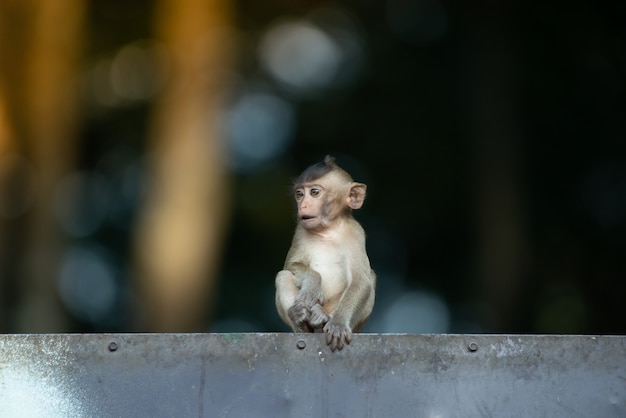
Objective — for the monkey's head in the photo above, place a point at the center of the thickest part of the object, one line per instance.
(325, 193)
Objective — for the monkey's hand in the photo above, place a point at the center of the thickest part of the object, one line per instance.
(336, 334)
(307, 312)
(299, 313)
(318, 317)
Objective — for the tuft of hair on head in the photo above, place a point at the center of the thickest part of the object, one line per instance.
(320, 169)
(329, 160)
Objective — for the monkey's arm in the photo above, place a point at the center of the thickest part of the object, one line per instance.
(307, 308)
(352, 311)
(299, 297)
(308, 281)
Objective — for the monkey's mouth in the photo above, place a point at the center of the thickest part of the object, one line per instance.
(306, 217)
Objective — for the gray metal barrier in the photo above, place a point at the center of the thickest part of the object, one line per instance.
(296, 375)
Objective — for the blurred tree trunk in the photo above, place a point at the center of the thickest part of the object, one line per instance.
(40, 47)
(498, 155)
(180, 236)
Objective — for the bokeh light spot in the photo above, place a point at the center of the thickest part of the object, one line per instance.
(417, 312)
(87, 283)
(258, 127)
(300, 55)
(137, 71)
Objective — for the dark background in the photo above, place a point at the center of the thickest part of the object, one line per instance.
(491, 136)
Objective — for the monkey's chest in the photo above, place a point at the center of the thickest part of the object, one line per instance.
(335, 271)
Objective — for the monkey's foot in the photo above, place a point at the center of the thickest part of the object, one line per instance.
(336, 334)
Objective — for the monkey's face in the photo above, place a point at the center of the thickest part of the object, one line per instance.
(319, 202)
(311, 199)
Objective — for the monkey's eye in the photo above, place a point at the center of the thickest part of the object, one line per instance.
(299, 194)
(315, 192)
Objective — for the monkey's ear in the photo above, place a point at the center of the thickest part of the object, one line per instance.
(356, 196)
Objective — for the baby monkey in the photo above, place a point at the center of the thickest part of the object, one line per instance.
(327, 284)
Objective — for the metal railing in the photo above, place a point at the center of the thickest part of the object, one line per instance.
(296, 375)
